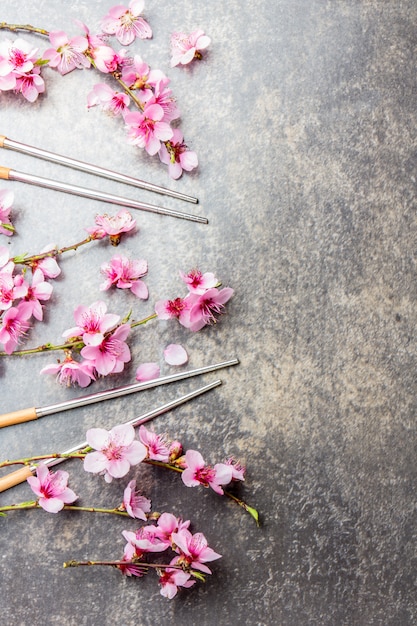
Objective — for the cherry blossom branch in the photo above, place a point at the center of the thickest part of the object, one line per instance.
(140, 564)
(151, 129)
(27, 27)
(30, 260)
(68, 346)
(67, 507)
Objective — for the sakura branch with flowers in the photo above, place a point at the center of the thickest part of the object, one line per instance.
(149, 124)
(98, 337)
(112, 454)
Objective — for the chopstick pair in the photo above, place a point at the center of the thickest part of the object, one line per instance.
(7, 173)
(20, 475)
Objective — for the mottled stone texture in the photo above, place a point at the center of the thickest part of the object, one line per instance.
(303, 116)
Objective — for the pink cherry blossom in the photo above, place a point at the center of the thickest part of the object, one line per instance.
(147, 130)
(113, 226)
(143, 540)
(174, 354)
(166, 100)
(105, 59)
(51, 489)
(197, 282)
(17, 57)
(125, 274)
(142, 80)
(185, 48)
(92, 323)
(48, 264)
(10, 288)
(113, 102)
(134, 503)
(194, 550)
(126, 24)
(38, 291)
(30, 85)
(175, 154)
(6, 201)
(14, 325)
(168, 309)
(67, 54)
(110, 356)
(71, 372)
(171, 579)
(115, 451)
(156, 447)
(204, 309)
(147, 371)
(167, 525)
(198, 473)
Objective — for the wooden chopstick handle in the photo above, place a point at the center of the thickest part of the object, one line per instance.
(16, 417)
(2, 138)
(5, 172)
(15, 478)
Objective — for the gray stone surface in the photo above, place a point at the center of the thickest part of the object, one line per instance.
(303, 116)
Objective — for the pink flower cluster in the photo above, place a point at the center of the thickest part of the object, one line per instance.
(148, 126)
(190, 552)
(21, 299)
(102, 339)
(20, 69)
(115, 451)
(201, 306)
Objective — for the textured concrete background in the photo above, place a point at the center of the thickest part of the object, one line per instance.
(303, 116)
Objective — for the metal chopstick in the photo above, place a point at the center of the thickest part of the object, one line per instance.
(5, 142)
(7, 173)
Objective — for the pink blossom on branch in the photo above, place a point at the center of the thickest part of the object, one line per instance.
(147, 130)
(38, 291)
(171, 579)
(115, 451)
(125, 274)
(110, 356)
(113, 102)
(176, 155)
(51, 489)
(92, 323)
(30, 85)
(126, 24)
(156, 446)
(14, 325)
(71, 372)
(185, 48)
(197, 282)
(17, 57)
(198, 473)
(134, 503)
(169, 309)
(194, 550)
(205, 309)
(67, 54)
(113, 226)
